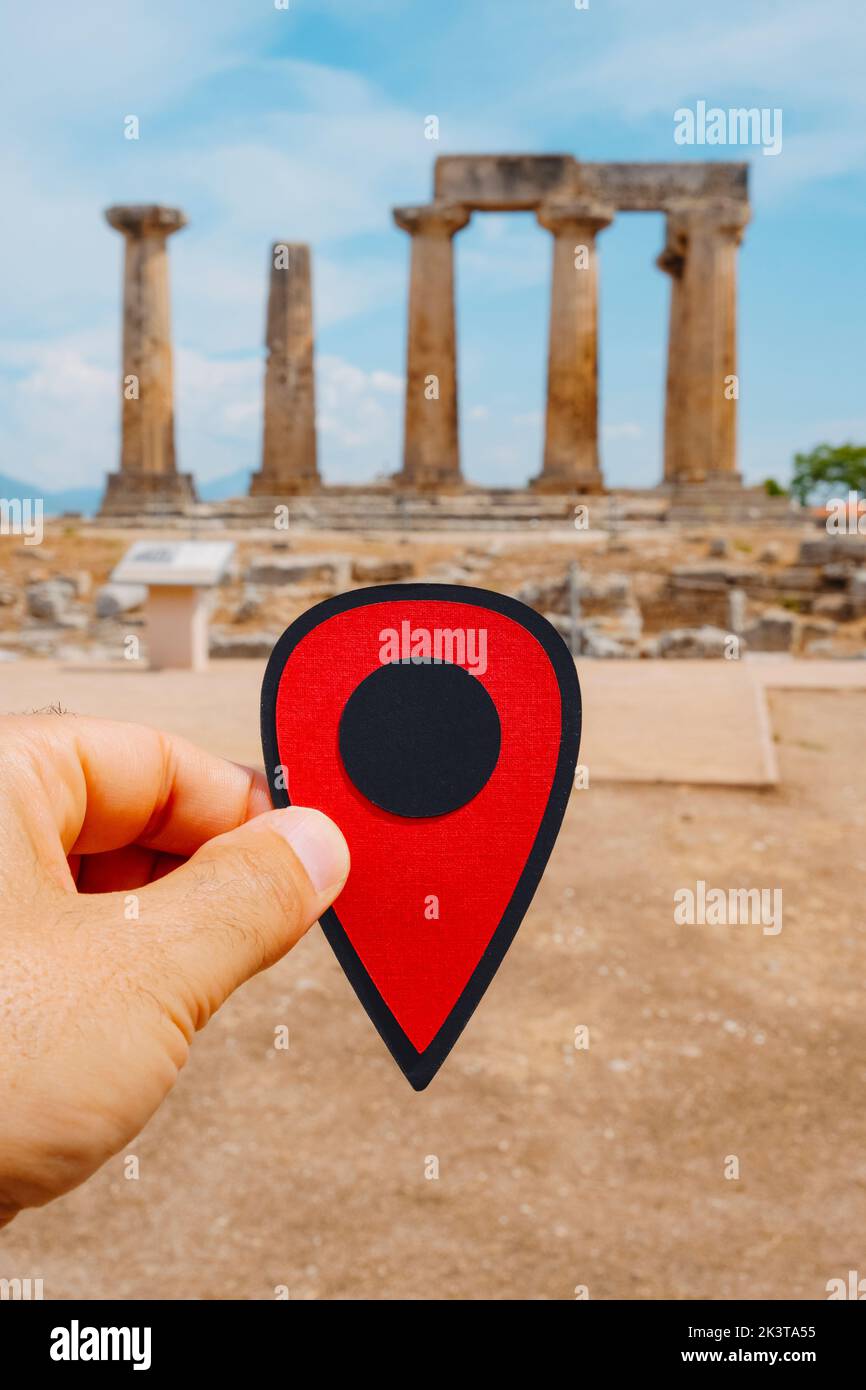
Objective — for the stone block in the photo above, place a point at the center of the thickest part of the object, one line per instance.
(798, 578)
(330, 571)
(132, 493)
(707, 576)
(80, 581)
(840, 550)
(770, 555)
(113, 599)
(689, 601)
(736, 610)
(698, 576)
(647, 187)
(603, 593)
(857, 592)
(590, 641)
(817, 630)
(249, 606)
(690, 642)
(773, 632)
(835, 576)
(497, 182)
(49, 601)
(601, 647)
(238, 645)
(839, 607)
(372, 571)
(597, 593)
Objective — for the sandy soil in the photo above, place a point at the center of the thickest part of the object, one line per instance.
(557, 1167)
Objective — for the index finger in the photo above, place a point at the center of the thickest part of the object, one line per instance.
(102, 784)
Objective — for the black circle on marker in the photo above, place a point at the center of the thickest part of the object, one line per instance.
(419, 738)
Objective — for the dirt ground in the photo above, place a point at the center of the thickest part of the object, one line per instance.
(558, 1168)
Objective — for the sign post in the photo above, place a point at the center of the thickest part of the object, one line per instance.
(178, 575)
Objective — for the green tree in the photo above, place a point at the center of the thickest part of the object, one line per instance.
(828, 470)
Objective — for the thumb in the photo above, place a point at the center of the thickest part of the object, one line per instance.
(240, 903)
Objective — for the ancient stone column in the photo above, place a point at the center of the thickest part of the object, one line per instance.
(148, 473)
(571, 459)
(289, 442)
(702, 390)
(431, 446)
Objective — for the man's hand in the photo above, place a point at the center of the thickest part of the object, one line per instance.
(141, 881)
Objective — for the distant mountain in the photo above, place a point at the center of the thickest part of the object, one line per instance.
(69, 499)
(229, 485)
(86, 499)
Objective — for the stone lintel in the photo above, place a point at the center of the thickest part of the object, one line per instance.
(502, 182)
(656, 187)
(145, 219)
(521, 182)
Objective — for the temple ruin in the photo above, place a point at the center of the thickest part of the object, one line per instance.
(706, 208)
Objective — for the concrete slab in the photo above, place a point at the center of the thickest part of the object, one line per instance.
(697, 722)
(790, 673)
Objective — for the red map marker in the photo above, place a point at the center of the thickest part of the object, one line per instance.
(439, 727)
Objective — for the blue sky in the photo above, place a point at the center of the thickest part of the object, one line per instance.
(308, 124)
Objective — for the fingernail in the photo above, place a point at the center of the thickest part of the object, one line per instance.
(318, 844)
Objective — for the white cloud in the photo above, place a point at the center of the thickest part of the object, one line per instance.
(387, 382)
(359, 419)
(61, 414)
(59, 417)
(95, 56)
(805, 58)
(254, 149)
(663, 55)
(810, 158)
